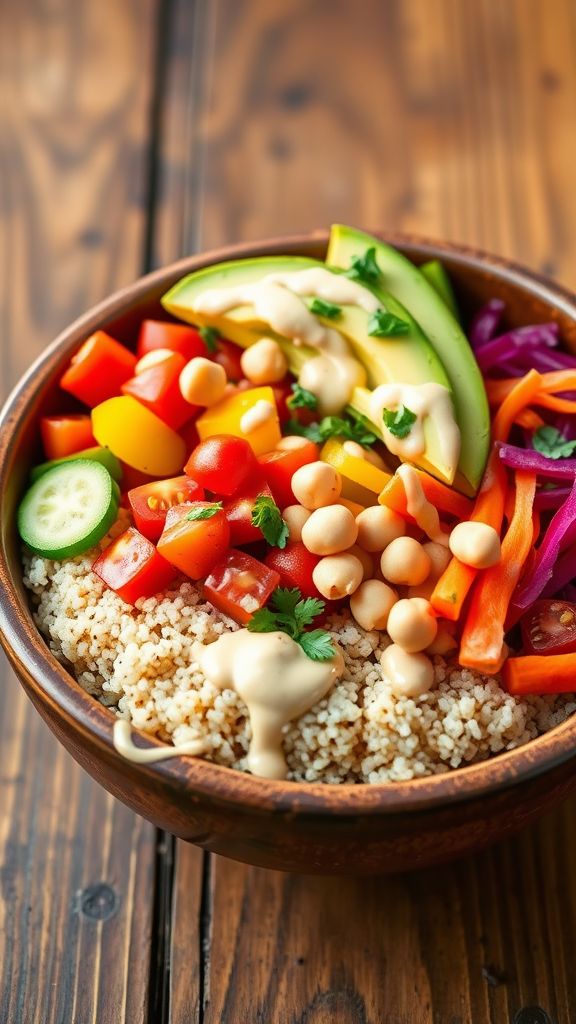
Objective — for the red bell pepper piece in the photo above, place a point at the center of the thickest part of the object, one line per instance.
(194, 545)
(176, 337)
(158, 389)
(66, 435)
(98, 370)
(278, 467)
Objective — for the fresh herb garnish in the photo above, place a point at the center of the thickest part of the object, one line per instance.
(364, 268)
(210, 338)
(290, 613)
(385, 325)
(551, 443)
(399, 421)
(266, 517)
(309, 430)
(205, 513)
(301, 398)
(323, 308)
(352, 429)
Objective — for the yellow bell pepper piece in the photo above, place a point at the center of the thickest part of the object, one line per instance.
(138, 437)
(361, 481)
(227, 417)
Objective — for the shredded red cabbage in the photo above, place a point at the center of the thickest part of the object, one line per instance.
(535, 462)
(486, 323)
(542, 567)
(547, 499)
(563, 573)
(507, 346)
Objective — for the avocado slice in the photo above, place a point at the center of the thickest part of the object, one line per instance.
(411, 288)
(435, 273)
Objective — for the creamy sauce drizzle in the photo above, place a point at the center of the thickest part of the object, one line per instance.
(276, 681)
(257, 416)
(417, 505)
(124, 745)
(278, 301)
(425, 401)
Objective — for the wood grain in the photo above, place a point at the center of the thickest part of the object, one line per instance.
(76, 868)
(448, 120)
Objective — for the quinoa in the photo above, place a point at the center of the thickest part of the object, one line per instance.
(139, 661)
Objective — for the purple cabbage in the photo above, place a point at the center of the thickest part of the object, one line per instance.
(535, 462)
(563, 573)
(506, 347)
(486, 323)
(541, 571)
(547, 499)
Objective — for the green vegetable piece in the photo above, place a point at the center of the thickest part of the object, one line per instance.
(102, 455)
(266, 516)
(301, 398)
(323, 308)
(385, 325)
(68, 509)
(436, 274)
(291, 613)
(399, 421)
(210, 338)
(205, 513)
(364, 268)
(550, 442)
(356, 428)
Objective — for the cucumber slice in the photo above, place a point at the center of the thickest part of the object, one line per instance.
(96, 454)
(69, 509)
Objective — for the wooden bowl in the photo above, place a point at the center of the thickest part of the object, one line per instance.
(325, 829)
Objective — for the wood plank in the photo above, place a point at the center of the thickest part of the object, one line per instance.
(76, 867)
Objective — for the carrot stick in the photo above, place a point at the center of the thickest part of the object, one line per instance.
(536, 673)
(483, 634)
(529, 419)
(557, 380)
(546, 401)
(444, 498)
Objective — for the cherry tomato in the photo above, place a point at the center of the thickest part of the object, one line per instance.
(98, 370)
(150, 502)
(295, 564)
(222, 463)
(549, 627)
(66, 435)
(177, 337)
(239, 510)
(278, 467)
(132, 567)
(158, 389)
(239, 585)
(228, 355)
(282, 392)
(194, 545)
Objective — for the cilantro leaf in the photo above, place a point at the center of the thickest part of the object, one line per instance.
(355, 428)
(266, 517)
(306, 611)
(385, 325)
(399, 421)
(205, 513)
(263, 621)
(551, 443)
(323, 308)
(290, 613)
(364, 268)
(311, 430)
(317, 645)
(210, 338)
(285, 599)
(301, 398)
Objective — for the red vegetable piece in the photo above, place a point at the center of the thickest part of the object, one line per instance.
(178, 338)
(66, 435)
(150, 502)
(239, 585)
(228, 355)
(295, 564)
(239, 510)
(222, 464)
(98, 370)
(158, 389)
(549, 627)
(194, 545)
(278, 467)
(132, 567)
(282, 392)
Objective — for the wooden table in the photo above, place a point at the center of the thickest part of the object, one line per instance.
(133, 132)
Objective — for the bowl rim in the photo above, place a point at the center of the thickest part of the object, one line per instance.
(30, 655)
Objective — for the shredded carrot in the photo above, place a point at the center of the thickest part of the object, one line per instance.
(536, 673)
(529, 419)
(557, 380)
(546, 401)
(483, 634)
(453, 586)
(444, 498)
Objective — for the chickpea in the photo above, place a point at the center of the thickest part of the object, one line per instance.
(295, 516)
(157, 355)
(202, 382)
(412, 624)
(316, 485)
(337, 576)
(292, 442)
(329, 530)
(410, 675)
(378, 526)
(405, 561)
(353, 448)
(264, 362)
(439, 555)
(475, 544)
(365, 558)
(371, 604)
(444, 641)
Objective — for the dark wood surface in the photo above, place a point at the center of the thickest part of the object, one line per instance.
(134, 132)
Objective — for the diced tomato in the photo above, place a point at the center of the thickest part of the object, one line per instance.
(295, 564)
(239, 510)
(66, 435)
(279, 466)
(282, 392)
(229, 355)
(549, 627)
(177, 337)
(158, 389)
(194, 545)
(190, 434)
(132, 567)
(98, 370)
(222, 463)
(239, 585)
(150, 502)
